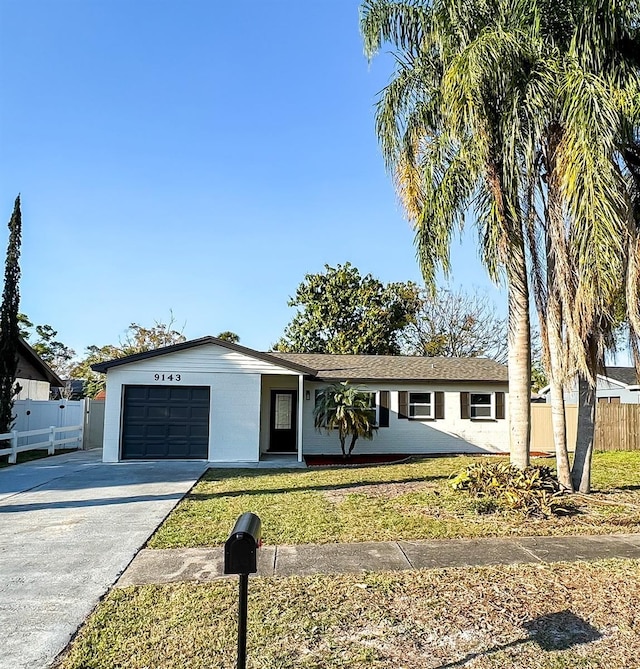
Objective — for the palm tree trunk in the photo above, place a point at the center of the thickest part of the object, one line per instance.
(354, 438)
(519, 358)
(343, 437)
(581, 471)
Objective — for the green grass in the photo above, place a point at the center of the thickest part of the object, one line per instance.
(560, 616)
(28, 456)
(408, 501)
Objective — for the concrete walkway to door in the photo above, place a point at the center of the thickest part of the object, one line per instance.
(69, 526)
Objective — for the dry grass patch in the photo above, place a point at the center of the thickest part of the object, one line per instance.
(570, 616)
(406, 501)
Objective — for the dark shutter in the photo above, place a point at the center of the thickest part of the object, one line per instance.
(465, 407)
(439, 405)
(499, 405)
(403, 404)
(383, 414)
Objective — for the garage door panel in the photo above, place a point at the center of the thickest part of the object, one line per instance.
(181, 394)
(161, 422)
(200, 414)
(137, 393)
(199, 431)
(158, 393)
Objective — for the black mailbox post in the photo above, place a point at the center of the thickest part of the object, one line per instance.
(241, 557)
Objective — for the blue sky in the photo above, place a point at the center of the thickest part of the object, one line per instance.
(194, 156)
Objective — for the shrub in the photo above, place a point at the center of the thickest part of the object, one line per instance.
(534, 491)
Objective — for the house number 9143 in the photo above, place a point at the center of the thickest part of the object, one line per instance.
(167, 377)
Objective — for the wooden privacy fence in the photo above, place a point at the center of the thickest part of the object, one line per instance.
(56, 438)
(617, 427)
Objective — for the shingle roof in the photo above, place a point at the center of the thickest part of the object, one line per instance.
(626, 375)
(329, 367)
(397, 368)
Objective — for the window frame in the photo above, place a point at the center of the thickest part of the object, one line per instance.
(491, 405)
(430, 404)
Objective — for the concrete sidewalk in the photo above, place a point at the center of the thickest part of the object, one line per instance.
(69, 526)
(206, 564)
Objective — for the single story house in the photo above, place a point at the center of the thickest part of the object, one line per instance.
(214, 400)
(33, 375)
(616, 385)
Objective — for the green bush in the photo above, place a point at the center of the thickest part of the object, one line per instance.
(533, 491)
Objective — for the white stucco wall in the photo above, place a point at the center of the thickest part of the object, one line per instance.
(234, 380)
(448, 435)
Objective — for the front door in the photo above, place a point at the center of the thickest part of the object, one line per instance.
(283, 430)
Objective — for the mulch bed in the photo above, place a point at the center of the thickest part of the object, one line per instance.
(389, 458)
(334, 460)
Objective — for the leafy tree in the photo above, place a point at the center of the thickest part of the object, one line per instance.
(346, 408)
(9, 330)
(227, 335)
(58, 356)
(136, 339)
(340, 311)
(456, 324)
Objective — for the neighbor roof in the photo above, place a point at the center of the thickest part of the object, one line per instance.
(626, 375)
(328, 367)
(397, 368)
(39, 364)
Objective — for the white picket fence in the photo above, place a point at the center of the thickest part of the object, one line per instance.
(54, 440)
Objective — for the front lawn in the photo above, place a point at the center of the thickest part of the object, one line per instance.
(560, 616)
(408, 501)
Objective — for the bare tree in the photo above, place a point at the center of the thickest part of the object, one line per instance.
(454, 323)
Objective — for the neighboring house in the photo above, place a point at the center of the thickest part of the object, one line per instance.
(617, 385)
(214, 400)
(35, 377)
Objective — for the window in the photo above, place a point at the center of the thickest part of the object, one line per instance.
(481, 405)
(373, 410)
(420, 405)
(371, 402)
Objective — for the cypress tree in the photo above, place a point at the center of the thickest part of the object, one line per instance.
(9, 331)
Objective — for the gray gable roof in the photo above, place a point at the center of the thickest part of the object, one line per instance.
(626, 375)
(331, 367)
(328, 367)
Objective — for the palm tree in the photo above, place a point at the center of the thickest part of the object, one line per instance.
(588, 109)
(345, 408)
(455, 127)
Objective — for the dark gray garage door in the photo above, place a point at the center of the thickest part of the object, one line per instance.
(165, 422)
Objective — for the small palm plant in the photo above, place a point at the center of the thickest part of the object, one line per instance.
(348, 409)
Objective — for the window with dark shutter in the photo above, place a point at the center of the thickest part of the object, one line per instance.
(383, 414)
(465, 406)
(403, 404)
(499, 405)
(439, 405)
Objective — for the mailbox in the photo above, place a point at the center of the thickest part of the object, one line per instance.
(241, 548)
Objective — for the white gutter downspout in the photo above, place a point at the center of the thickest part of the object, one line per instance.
(300, 414)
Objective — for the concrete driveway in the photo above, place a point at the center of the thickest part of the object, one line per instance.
(69, 525)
